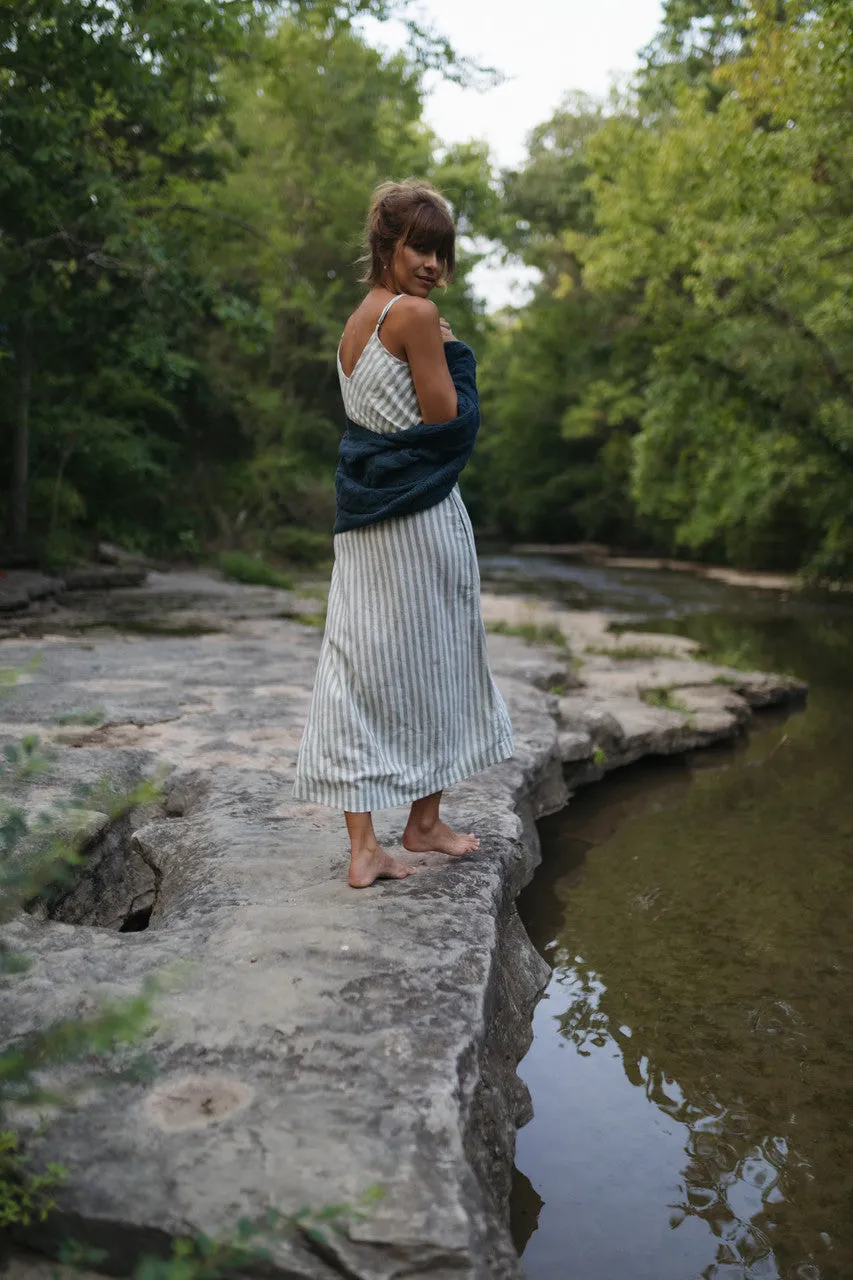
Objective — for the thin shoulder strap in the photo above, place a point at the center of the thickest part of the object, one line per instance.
(386, 309)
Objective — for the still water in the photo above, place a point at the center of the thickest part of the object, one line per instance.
(692, 1067)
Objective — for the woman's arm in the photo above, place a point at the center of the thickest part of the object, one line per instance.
(421, 335)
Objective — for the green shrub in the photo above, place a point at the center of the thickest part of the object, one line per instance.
(300, 546)
(25, 1197)
(242, 567)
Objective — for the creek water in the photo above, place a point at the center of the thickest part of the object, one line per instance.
(692, 1063)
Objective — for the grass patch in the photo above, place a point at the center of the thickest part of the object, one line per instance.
(599, 756)
(239, 566)
(311, 619)
(730, 656)
(92, 715)
(721, 679)
(532, 632)
(629, 652)
(559, 690)
(314, 591)
(9, 676)
(664, 697)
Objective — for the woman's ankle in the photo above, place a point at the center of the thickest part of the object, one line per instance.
(363, 848)
(423, 823)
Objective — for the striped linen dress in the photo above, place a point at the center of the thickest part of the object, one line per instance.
(404, 703)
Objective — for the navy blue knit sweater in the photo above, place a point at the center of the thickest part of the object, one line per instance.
(385, 474)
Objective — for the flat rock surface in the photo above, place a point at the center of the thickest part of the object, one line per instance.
(313, 1044)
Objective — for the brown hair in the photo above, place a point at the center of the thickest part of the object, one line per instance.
(411, 212)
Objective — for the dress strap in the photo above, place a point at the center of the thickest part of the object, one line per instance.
(386, 309)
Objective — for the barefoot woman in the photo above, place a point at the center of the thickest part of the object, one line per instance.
(404, 704)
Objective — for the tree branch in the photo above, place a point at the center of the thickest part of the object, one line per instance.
(763, 400)
(837, 378)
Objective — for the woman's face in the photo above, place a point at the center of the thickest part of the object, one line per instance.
(415, 269)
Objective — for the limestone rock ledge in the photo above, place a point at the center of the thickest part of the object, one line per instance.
(311, 1042)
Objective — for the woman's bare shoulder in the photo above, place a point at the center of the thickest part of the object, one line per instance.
(411, 318)
(415, 310)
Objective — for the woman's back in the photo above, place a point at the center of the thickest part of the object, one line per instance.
(379, 393)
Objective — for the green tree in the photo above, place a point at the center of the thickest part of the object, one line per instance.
(683, 375)
(695, 38)
(734, 230)
(98, 103)
(318, 119)
(562, 377)
(181, 192)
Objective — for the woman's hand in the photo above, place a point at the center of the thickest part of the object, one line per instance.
(447, 334)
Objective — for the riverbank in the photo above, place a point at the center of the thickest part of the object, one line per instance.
(602, 556)
(322, 1042)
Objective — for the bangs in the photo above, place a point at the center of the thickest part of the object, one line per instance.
(431, 227)
(409, 212)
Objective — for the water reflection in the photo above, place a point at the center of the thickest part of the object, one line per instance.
(647, 593)
(691, 1068)
(578, 586)
(527, 1205)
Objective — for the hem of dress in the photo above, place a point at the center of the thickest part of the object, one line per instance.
(336, 795)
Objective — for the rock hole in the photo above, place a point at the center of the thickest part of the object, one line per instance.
(112, 888)
(136, 921)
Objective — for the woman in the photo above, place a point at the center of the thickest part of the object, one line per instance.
(404, 704)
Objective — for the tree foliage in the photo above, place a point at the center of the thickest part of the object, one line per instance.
(102, 105)
(181, 192)
(739, 254)
(182, 189)
(562, 376)
(709, 277)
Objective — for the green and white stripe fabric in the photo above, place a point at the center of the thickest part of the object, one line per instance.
(404, 703)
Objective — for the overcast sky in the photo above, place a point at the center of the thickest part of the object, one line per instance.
(546, 49)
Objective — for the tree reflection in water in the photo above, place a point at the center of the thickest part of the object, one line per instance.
(709, 938)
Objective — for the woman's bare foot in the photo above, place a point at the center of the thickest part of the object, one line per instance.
(438, 837)
(373, 863)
